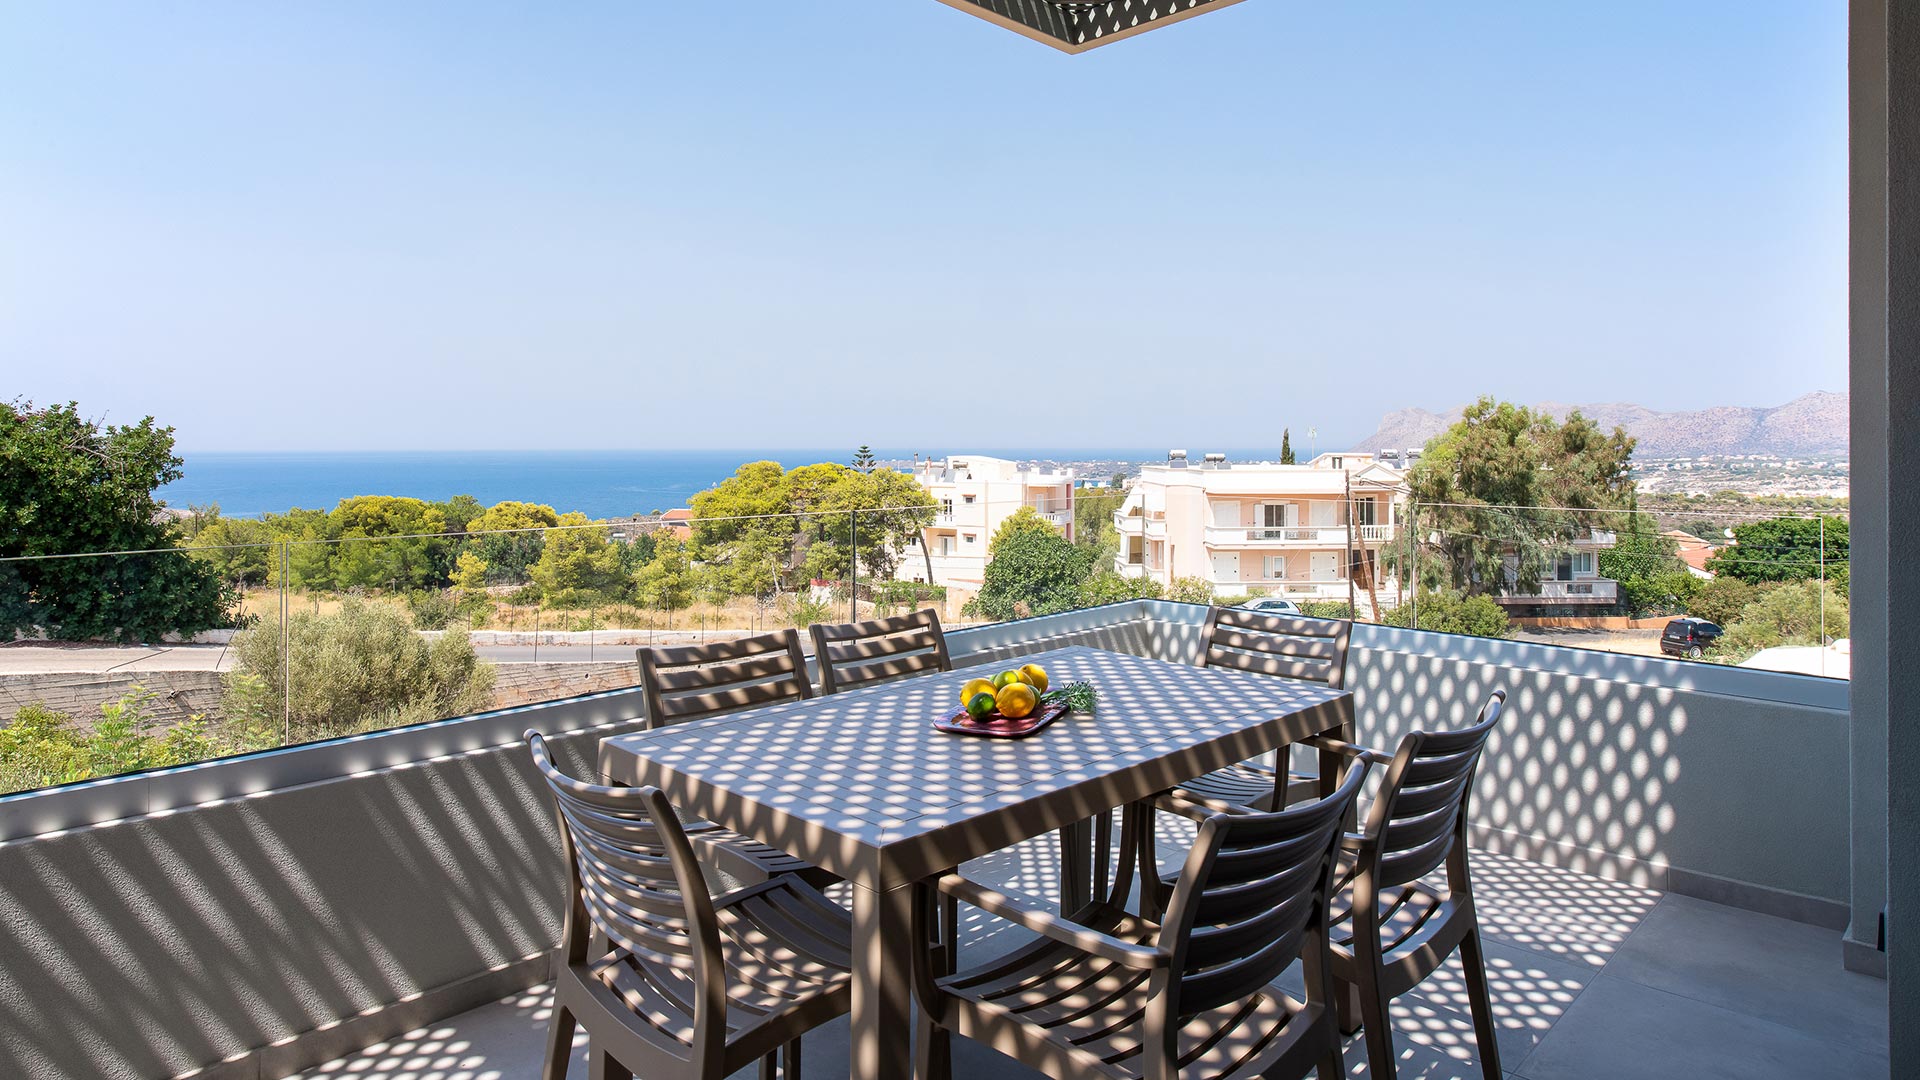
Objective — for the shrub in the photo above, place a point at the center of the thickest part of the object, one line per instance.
(1452, 613)
(362, 667)
(1191, 590)
(1109, 586)
(43, 747)
(907, 593)
(803, 610)
(1327, 609)
(431, 610)
(1720, 600)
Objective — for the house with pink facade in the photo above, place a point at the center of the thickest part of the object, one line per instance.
(1303, 532)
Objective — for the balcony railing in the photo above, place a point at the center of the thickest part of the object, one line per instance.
(1306, 535)
(1582, 590)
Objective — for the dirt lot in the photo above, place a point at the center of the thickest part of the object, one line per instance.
(1634, 642)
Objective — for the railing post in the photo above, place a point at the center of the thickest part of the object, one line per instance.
(853, 567)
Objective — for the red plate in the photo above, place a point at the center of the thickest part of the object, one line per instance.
(995, 726)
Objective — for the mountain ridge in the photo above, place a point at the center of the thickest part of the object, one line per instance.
(1811, 425)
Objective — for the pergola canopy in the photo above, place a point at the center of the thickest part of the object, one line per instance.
(1076, 26)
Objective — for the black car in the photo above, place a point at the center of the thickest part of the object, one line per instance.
(1689, 637)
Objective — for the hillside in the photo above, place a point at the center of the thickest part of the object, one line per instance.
(1813, 425)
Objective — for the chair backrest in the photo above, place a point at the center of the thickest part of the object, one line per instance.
(687, 682)
(633, 877)
(1420, 815)
(1253, 893)
(851, 654)
(1291, 645)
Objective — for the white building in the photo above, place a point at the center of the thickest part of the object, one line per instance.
(976, 495)
(1296, 531)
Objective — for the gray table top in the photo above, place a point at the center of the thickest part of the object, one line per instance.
(861, 784)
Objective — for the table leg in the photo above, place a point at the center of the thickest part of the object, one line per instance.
(1076, 866)
(882, 1021)
(1333, 767)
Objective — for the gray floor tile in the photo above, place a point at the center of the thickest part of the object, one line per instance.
(1566, 915)
(1622, 1030)
(506, 1038)
(1530, 992)
(1778, 970)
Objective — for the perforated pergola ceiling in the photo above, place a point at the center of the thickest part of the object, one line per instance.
(1077, 27)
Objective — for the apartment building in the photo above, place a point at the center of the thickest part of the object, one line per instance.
(1296, 531)
(977, 494)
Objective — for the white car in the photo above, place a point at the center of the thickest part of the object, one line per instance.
(1271, 605)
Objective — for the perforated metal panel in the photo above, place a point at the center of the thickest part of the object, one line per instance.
(1077, 27)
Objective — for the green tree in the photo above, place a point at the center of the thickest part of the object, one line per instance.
(509, 536)
(387, 542)
(1784, 549)
(1023, 520)
(1033, 573)
(579, 566)
(71, 486)
(1508, 489)
(1646, 564)
(667, 583)
(1286, 446)
(240, 550)
(863, 458)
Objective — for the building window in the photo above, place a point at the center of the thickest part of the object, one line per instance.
(969, 538)
(1276, 566)
(968, 498)
(1582, 564)
(946, 507)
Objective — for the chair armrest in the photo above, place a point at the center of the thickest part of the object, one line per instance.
(1196, 807)
(1338, 746)
(1065, 931)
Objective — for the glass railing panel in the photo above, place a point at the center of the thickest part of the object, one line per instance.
(120, 662)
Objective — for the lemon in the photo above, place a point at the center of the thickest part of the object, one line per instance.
(981, 705)
(1017, 700)
(1035, 676)
(1005, 678)
(973, 688)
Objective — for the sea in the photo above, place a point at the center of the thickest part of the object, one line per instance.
(598, 483)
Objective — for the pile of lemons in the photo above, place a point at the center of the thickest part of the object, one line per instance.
(1014, 693)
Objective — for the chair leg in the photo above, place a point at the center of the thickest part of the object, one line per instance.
(791, 1056)
(602, 1066)
(1379, 1033)
(770, 1066)
(1334, 1065)
(932, 1048)
(1346, 998)
(559, 1044)
(1473, 961)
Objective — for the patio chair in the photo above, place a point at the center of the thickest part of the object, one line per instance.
(854, 654)
(1391, 929)
(1295, 647)
(693, 682)
(669, 983)
(1114, 994)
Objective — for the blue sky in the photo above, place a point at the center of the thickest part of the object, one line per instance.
(444, 226)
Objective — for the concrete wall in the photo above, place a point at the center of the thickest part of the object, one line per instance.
(249, 918)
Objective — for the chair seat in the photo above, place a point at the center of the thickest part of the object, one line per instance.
(1092, 1012)
(748, 861)
(1419, 925)
(1248, 784)
(788, 955)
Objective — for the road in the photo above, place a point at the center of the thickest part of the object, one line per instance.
(99, 659)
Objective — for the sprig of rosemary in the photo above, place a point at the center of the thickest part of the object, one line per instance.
(1078, 696)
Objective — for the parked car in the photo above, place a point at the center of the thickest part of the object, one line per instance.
(1689, 637)
(1271, 605)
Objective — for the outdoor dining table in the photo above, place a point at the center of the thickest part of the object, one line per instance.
(861, 784)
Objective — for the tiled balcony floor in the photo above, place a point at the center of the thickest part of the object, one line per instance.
(1592, 979)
